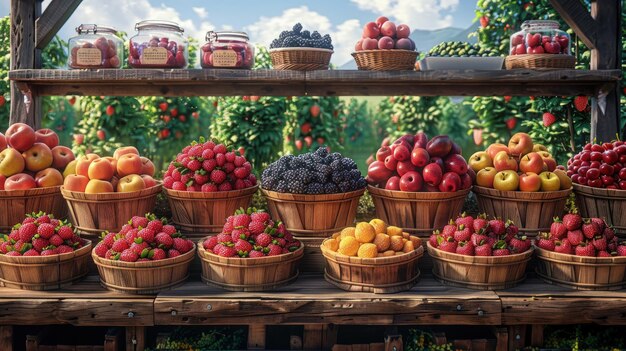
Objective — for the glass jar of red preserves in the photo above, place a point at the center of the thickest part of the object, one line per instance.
(95, 47)
(227, 50)
(158, 44)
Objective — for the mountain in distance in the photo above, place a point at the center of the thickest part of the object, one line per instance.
(426, 39)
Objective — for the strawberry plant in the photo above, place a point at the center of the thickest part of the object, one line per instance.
(357, 119)
(314, 122)
(410, 114)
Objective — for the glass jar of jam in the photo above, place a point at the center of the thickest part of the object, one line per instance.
(540, 37)
(95, 47)
(158, 44)
(227, 50)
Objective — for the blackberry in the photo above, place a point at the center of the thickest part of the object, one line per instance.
(296, 187)
(319, 177)
(330, 188)
(281, 187)
(289, 42)
(336, 165)
(315, 188)
(345, 175)
(291, 176)
(279, 169)
(297, 27)
(297, 163)
(348, 163)
(305, 34)
(269, 183)
(314, 159)
(316, 35)
(354, 174)
(336, 156)
(275, 44)
(361, 183)
(321, 152)
(337, 177)
(345, 187)
(303, 175)
(284, 34)
(286, 160)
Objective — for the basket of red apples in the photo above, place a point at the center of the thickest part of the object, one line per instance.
(581, 253)
(385, 47)
(206, 183)
(32, 166)
(419, 184)
(521, 182)
(599, 176)
(477, 253)
(42, 253)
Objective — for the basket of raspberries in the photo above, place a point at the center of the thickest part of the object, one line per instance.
(252, 253)
(42, 253)
(301, 50)
(146, 256)
(581, 253)
(478, 253)
(205, 183)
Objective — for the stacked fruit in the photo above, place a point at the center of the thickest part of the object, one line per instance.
(373, 239)
(208, 167)
(461, 49)
(535, 43)
(581, 237)
(385, 35)
(313, 173)
(251, 233)
(143, 239)
(31, 159)
(413, 163)
(298, 38)
(498, 167)
(480, 237)
(600, 166)
(125, 172)
(40, 234)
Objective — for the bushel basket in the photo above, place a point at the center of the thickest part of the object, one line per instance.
(385, 60)
(608, 204)
(15, 204)
(540, 61)
(300, 59)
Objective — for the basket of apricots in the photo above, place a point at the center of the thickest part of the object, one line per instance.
(372, 257)
(103, 192)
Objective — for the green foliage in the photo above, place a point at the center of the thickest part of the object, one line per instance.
(306, 130)
(262, 58)
(5, 57)
(189, 339)
(420, 340)
(492, 114)
(410, 114)
(358, 120)
(597, 338)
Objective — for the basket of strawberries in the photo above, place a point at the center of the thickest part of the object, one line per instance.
(477, 253)
(252, 253)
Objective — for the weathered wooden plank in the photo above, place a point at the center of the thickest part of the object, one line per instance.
(52, 19)
(6, 338)
(256, 337)
(577, 16)
(312, 337)
(135, 338)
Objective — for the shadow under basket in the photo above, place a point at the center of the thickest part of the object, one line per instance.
(198, 214)
(417, 213)
(249, 274)
(300, 59)
(609, 204)
(385, 60)
(479, 272)
(15, 204)
(45, 272)
(92, 214)
(532, 212)
(540, 61)
(148, 277)
(581, 273)
(380, 275)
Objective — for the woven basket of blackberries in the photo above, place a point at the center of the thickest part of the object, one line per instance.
(301, 50)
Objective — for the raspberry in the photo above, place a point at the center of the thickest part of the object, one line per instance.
(220, 159)
(164, 240)
(255, 254)
(218, 176)
(208, 188)
(56, 240)
(263, 239)
(168, 182)
(28, 230)
(180, 245)
(210, 243)
(137, 222)
(275, 250)
(65, 232)
(171, 253)
(220, 149)
(119, 245)
(147, 235)
(225, 187)
(31, 252)
(209, 165)
(101, 249)
(169, 229)
(129, 255)
(241, 172)
(64, 249)
(40, 243)
(178, 186)
(109, 239)
(155, 225)
(158, 254)
(194, 165)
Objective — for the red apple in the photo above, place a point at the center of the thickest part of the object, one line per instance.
(148, 180)
(371, 31)
(391, 163)
(456, 149)
(382, 153)
(386, 43)
(409, 138)
(404, 167)
(20, 136)
(520, 144)
(432, 174)
(533, 40)
(439, 146)
(393, 183)
(466, 181)
(450, 182)
(419, 157)
(439, 161)
(421, 140)
(378, 173)
(529, 182)
(388, 29)
(3, 142)
(47, 136)
(38, 157)
(20, 181)
(401, 153)
(400, 142)
(531, 162)
(493, 149)
(380, 20)
(455, 163)
(403, 31)
(369, 44)
(61, 157)
(411, 181)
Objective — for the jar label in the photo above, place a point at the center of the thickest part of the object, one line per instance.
(154, 56)
(224, 58)
(89, 57)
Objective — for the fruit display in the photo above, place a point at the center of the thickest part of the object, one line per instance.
(95, 47)
(522, 165)
(415, 164)
(313, 173)
(599, 166)
(40, 234)
(207, 166)
(124, 172)
(299, 38)
(144, 238)
(461, 49)
(251, 234)
(228, 50)
(372, 239)
(385, 35)
(158, 44)
(540, 37)
(479, 236)
(32, 159)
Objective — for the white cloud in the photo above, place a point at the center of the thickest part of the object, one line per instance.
(344, 35)
(200, 12)
(422, 14)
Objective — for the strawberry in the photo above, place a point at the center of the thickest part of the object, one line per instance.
(147, 235)
(218, 176)
(43, 219)
(497, 226)
(483, 249)
(181, 245)
(599, 242)
(240, 233)
(274, 250)
(138, 248)
(15, 253)
(464, 219)
(600, 223)
(465, 248)
(155, 225)
(225, 187)
(580, 103)
(109, 239)
(462, 233)
(548, 119)
(119, 245)
(163, 240)
(520, 244)
(545, 241)
(210, 243)
(501, 252)
(256, 227)
(40, 243)
(125, 229)
(56, 240)
(603, 254)
(55, 222)
(558, 229)
(194, 165)
(158, 254)
(255, 254)
(585, 249)
(448, 230)
(263, 239)
(31, 252)
(201, 178)
(575, 237)
(224, 238)
(241, 172)
(572, 221)
(28, 230)
(621, 249)
(171, 253)
(433, 239)
(480, 222)
(15, 235)
(168, 229)
(280, 242)
(64, 249)
(241, 220)
(262, 217)
(478, 238)
(226, 251)
(65, 232)
(563, 246)
(511, 123)
(448, 245)
(138, 221)
(129, 255)
(511, 228)
(590, 229)
(243, 247)
(101, 249)
(608, 233)
(209, 165)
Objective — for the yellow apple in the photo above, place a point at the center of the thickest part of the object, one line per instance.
(539, 147)
(38, 157)
(11, 162)
(507, 180)
(566, 181)
(132, 182)
(485, 177)
(70, 168)
(480, 160)
(550, 181)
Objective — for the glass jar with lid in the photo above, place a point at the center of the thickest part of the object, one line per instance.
(540, 37)
(227, 50)
(158, 44)
(95, 46)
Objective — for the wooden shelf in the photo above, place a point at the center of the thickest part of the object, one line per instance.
(195, 82)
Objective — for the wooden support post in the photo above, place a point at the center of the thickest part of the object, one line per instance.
(256, 337)
(536, 336)
(135, 338)
(24, 55)
(517, 337)
(329, 336)
(502, 338)
(6, 338)
(312, 337)
(52, 19)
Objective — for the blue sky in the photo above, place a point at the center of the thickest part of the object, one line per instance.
(263, 20)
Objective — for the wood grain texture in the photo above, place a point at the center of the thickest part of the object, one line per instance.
(52, 19)
(6, 337)
(385, 60)
(579, 19)
(17, 203)
(608, 204)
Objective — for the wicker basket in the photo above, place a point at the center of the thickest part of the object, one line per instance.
(531, 211)
(582, 273)
(15, 204)
(380, 275)
(45, 272)
(300, 59)
(603, 203)
(385, 60)
(540, 61)
(198, 214)
(479, 272)
(149, 277)
(249, 274)
(92, 214)
(418, 213)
